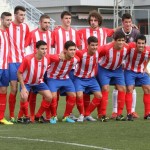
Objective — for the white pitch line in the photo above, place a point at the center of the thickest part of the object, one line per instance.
(58, 142)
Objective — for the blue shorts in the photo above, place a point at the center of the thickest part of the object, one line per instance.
(137, 79)
(13, 68)
(36, 88)
(57, 84)
(4, 77)
(71, 75)
(86, 85)
(107, 76)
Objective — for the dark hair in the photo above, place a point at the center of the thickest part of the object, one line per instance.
(65, 13)
(68, 44)
(92, 39)
(39, 43)
(126, 16)
(17, 8)
(141, 37)
(97, 15)
(44, 16)
(118, 35)
(5, 14)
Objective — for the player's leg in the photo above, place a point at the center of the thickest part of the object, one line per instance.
(13, 68)
(4, 82)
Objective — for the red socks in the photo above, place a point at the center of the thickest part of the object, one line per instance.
(103, 104)
(146, 100)
(44, 105)
(69, 105)
(79, 102)
(12, 102)
(121, 101)
(86, 101)
(53, 107)
(95, 102)
(2, 105)
(128, 101)
(23, 109)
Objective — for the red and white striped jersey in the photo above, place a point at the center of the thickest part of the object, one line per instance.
(137, 61)
(86, 68)
(37, 35)
(111, 58)
(59, 69)
(60, 36)
(17, 36)
(33, 70)
(101, 34)
(4, 49)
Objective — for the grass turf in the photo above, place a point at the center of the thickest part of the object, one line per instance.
(64, 136)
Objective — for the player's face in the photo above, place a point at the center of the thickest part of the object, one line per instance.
(42, 50)
(92, 47)
(119, 43)
(45, 24)
(66, 20)
(70, 52)
(20, 16)
(127, 24)
(140, 45)
(94, 23)
(6, 21)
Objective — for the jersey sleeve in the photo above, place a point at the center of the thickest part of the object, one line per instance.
(79, 53)
(109, 32)
(23, 65)
(102, 51)
(54, 58)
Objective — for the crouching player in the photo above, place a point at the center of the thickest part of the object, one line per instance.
(85, 79)
(58, 78)
(30, 75)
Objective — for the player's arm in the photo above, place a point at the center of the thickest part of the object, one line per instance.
(24, 91)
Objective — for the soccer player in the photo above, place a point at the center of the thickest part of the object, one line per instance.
(41, 33)
(135, 74)
(111, 58)
(95, 29)
(18, 32)
(130, 36)
(58, 78)
(85, 80)
(63, 34)
(6, 19)
(30, 74)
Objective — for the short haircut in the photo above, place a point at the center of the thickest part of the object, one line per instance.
(39, 43)
(126, 16)
(118, 35)
(97, 15)
(5, 14)
(67, 13)
(140, 37)
(68, 44)
(92, 39)
(44, 16)
(17, 8)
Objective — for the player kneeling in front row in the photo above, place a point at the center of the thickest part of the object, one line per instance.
(30, 75)
(58, 78)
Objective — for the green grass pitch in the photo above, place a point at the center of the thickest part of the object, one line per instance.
(79, 136)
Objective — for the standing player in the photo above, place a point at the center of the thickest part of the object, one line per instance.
(85, 79)
(6, 19)
(30, 74)
(136, 63)
(64, 34)
(58, 77)
(41, 33)
(18, 32)
(95, 29)
(130, 36)
(109, 69)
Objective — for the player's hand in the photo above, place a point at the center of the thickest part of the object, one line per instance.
(24, 94)
(134, 26)
(62, 56)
